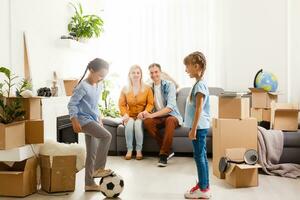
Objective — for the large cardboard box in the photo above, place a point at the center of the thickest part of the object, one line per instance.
(70, 85)
(262, 99)
(34, 131)
(240, 175)
(284, 116)
(12, 135)
(261, 114)
(58, 173)
(32, 106)
(234, 107)
(20, 179)
(232, 133)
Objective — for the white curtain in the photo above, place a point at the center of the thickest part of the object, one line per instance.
(162, 31)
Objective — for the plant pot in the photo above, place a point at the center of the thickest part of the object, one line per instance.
(12, 135)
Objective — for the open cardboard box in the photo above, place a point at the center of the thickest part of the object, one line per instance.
(31, 105)
(262, 99)
(20, 179)
(12, 135)
(240, 175)
(232, 133)
(284, 116)
(58, 173)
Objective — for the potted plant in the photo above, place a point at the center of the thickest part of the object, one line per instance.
(109, 109)
(84, 26)
(12, 129)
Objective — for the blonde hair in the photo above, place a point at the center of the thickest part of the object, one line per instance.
(129, 87)
(196, 57)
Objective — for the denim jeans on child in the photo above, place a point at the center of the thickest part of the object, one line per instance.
(200, 157)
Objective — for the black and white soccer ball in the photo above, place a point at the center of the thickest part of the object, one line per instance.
(112, 186)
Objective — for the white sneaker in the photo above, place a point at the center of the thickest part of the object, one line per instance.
(196, 193)
(92, 188)
(99, 173)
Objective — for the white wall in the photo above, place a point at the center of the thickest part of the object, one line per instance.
(4, 34)
(253, 36)
(294, 49)
(44, 22)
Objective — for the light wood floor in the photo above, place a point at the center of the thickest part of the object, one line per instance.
(145, 181)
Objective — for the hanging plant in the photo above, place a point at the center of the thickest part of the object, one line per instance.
(84, 26)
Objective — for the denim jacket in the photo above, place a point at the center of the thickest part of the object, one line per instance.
(169, 94)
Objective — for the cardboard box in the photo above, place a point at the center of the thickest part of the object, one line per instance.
(284, 116)
(240, 175)
(234, 107)
(34, 131)
(58, 174)
(261, 114)
(69, 86)
(232, 133)
(20, 179)
(32, 106)
(12, 135)
(262, 99)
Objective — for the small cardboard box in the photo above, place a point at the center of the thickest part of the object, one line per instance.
(262, 99)
(240, 175)
(232, 133)
(58, 173)
(34, 131)
(32, 106)
(12, 135)
(284, 116)
(69, 86)
(234, 107)
(20, 179)
(261, 114)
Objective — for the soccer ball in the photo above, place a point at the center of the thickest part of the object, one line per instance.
(111, 186)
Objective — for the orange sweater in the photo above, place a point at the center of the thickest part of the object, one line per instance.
(133, 105)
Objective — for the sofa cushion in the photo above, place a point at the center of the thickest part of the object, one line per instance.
(291, 139)
(179, 132)
(113, 122)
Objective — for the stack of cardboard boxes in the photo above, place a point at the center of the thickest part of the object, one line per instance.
(261, 105)
(234, 129)
(18, 178)
(273, 115)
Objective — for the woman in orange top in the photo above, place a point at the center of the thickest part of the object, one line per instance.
(134, 99)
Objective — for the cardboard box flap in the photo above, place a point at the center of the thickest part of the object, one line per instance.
(245, 166)
(232, 94)
(285, 106)
(253, 90)
(236, 154)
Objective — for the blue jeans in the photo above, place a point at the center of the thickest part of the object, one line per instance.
(199, 146)
(134, 127)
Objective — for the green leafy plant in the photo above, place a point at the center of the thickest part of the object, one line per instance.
(10, 79)
(24, 85)
(11, 112)
(109, 109)
(84, 26)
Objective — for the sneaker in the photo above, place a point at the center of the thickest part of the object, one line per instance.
(163, 160)
(92, 188)
(99, 173)
(171, 155)
(196, 193)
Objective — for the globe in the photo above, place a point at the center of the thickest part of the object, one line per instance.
(266, 81)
